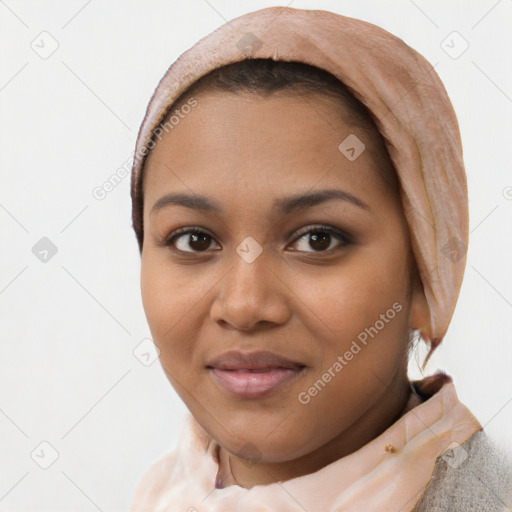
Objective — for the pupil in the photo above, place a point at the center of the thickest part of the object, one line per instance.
(195, 238)
(320, 238)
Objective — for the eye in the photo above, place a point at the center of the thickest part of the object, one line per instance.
(194, 239)
(320, 238)
(191, 238)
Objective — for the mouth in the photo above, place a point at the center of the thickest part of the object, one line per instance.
(253, 375)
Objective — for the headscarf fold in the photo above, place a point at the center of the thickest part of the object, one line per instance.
(408, 103)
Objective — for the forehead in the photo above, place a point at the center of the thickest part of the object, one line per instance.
(238, 141)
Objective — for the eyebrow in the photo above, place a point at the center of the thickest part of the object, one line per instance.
(285, 205)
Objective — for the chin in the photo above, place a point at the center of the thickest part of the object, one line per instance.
(260, 442)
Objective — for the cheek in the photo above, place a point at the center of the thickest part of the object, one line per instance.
(366, 312)
(170, 300)
(352, 297)
(363, 306)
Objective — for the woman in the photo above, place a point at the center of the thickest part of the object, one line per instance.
(300, 204)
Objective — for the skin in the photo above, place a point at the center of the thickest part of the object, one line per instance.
(299, 299)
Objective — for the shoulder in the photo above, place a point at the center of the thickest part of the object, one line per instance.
(471, 477)
(153, 482)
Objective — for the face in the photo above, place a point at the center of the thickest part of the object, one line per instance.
(298, 251)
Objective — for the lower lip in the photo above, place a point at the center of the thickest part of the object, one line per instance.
(254, 384)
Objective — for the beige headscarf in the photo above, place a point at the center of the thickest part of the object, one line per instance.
(408, 102)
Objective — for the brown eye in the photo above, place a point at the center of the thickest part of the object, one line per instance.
(190, 240)
(320, 239)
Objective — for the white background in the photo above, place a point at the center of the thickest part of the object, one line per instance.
(69, 326)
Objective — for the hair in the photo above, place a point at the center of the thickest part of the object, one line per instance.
(266, 77)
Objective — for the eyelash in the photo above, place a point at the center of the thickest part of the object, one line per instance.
(319, 228)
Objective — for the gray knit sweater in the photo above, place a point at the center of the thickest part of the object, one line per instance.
(475, 477)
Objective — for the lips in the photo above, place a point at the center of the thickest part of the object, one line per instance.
(251, 361)
(253, 375)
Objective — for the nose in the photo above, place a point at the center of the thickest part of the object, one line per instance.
(251, 295)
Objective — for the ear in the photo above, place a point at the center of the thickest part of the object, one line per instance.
(419, 313)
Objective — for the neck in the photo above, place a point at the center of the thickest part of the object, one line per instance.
(381, 415)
